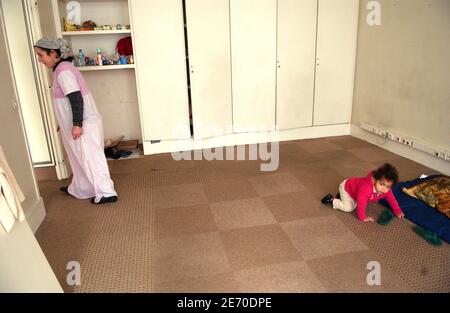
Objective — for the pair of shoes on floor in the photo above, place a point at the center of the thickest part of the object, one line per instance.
(328, 199)
(65, 190)
(104, 200)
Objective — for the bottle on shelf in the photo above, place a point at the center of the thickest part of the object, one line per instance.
(99, 57)
(116, 58)
(81, 58)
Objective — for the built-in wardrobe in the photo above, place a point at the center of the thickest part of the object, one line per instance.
(244, 66)
(210, 73)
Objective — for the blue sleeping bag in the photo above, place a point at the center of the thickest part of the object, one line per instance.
(419, 212)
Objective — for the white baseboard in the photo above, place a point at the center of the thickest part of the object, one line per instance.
(37, 215)
(246, 139)
(402, 150)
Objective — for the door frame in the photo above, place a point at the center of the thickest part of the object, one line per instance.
(44, 87)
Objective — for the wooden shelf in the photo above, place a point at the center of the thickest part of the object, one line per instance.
(97, 32)
(105, 67)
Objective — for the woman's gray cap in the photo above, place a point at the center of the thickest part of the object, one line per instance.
(55, 44)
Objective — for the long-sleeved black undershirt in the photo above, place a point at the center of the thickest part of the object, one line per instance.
(77, 104)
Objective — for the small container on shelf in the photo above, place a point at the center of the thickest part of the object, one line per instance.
(81, 60)
(88, 26)
(123, 60)
(99, 57)
(116, 58)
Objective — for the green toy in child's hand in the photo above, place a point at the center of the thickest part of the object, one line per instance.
(386, 217)
(428, 235)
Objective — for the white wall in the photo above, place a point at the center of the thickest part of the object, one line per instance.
(115, 94)
(23, 265)
(46, 17)
(402, 70)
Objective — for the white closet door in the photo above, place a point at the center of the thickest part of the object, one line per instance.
(159, 47)
(336, 54)
(17, 38)
(208, 25)
(253, 55)
(297, 23)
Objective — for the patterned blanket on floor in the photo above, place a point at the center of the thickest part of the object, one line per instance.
(419, 212)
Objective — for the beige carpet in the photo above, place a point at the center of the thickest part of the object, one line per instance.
(225, 226)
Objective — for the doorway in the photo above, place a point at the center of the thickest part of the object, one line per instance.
(22, 27)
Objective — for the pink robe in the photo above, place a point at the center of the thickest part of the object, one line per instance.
(86, 155)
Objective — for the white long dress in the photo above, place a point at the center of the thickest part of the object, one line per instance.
(86, 155)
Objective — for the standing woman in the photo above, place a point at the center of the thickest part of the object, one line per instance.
(80, 124)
